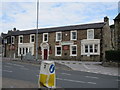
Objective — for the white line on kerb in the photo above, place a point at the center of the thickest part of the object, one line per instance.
(76, 81)
(92, 77)
(7, 71)
(65, 74)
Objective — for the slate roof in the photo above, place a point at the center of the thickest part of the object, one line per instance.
(56, 29)
(117, 17)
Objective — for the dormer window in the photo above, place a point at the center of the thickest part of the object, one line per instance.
(73, 35)
(90, 34)
(32, 38)
(21, 39)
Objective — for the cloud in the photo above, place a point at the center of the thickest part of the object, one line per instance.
(22, 15)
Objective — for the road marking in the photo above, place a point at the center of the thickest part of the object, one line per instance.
(7, 71)
(65, 74)
(87, 67)
(24, 68)
(91, 82)
(70, 80)
(15, 64)
(92, 77)
(76, 81)
(6, 66)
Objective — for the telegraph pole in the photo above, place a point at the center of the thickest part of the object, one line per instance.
(37, 30)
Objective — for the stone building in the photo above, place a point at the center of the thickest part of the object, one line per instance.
(74, 42)
(117, 31)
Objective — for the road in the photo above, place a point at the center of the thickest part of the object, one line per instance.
(23, 73)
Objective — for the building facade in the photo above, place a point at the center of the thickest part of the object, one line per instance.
(75, 42)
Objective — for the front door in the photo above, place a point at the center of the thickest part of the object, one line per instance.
(45, 54)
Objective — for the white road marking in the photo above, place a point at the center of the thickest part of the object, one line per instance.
(7, 71)
(76, 81)
(91, 82)
(87, 67)
(6, 66)
(65, 74)
(24, 68)
(15, 64)
(92, 77)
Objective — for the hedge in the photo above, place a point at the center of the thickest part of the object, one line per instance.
(113, 55)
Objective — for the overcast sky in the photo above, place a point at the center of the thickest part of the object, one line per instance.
(22, 15)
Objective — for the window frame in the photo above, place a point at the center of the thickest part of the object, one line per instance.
(31, 38)
(19, 39)
(71, 50)
(56, 50)
(44, 37)
(88, 30)
(57, 36)
(12, 39)
(71, 35)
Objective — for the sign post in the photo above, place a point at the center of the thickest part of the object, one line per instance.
(47, 76)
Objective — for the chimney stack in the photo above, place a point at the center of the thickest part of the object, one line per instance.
(106, 19)
(14, 29)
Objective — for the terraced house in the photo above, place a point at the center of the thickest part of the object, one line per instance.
(74, 42)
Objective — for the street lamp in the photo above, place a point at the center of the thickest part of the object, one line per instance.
(37, 30)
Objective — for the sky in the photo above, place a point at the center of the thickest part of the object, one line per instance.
(22, 15)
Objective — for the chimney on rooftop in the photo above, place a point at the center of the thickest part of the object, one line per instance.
(14, 29)
(106, 19)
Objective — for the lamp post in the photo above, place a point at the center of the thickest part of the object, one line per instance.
(37, 30)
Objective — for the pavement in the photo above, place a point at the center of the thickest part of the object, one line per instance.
(93, 67)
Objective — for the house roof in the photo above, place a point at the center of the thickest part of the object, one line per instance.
(56, 29)
(117, 17)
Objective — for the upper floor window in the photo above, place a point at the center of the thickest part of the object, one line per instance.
(90, 34)
(73, 35)
(12, 39)
(32, 38)
(73, 50)
(58, 36)
(45, 37)
(21, 39)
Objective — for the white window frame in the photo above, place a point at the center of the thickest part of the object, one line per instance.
(19, 39)
(90, 53)
(56, 50)
(31, 38)
(72, 34)
(88, 33)
(57, 36)
(71, 50)
(12, 38)
(44, 37)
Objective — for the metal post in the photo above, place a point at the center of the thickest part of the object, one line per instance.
(37, 30)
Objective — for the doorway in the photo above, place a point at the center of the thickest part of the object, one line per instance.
(45, 54)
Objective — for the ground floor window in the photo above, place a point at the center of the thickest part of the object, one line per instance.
(24, 50)
(58, 50)
(90, 47)
(73, 50)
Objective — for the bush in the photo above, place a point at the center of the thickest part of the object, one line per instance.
(112, 55)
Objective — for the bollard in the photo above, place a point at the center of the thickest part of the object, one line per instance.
(47, 77)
